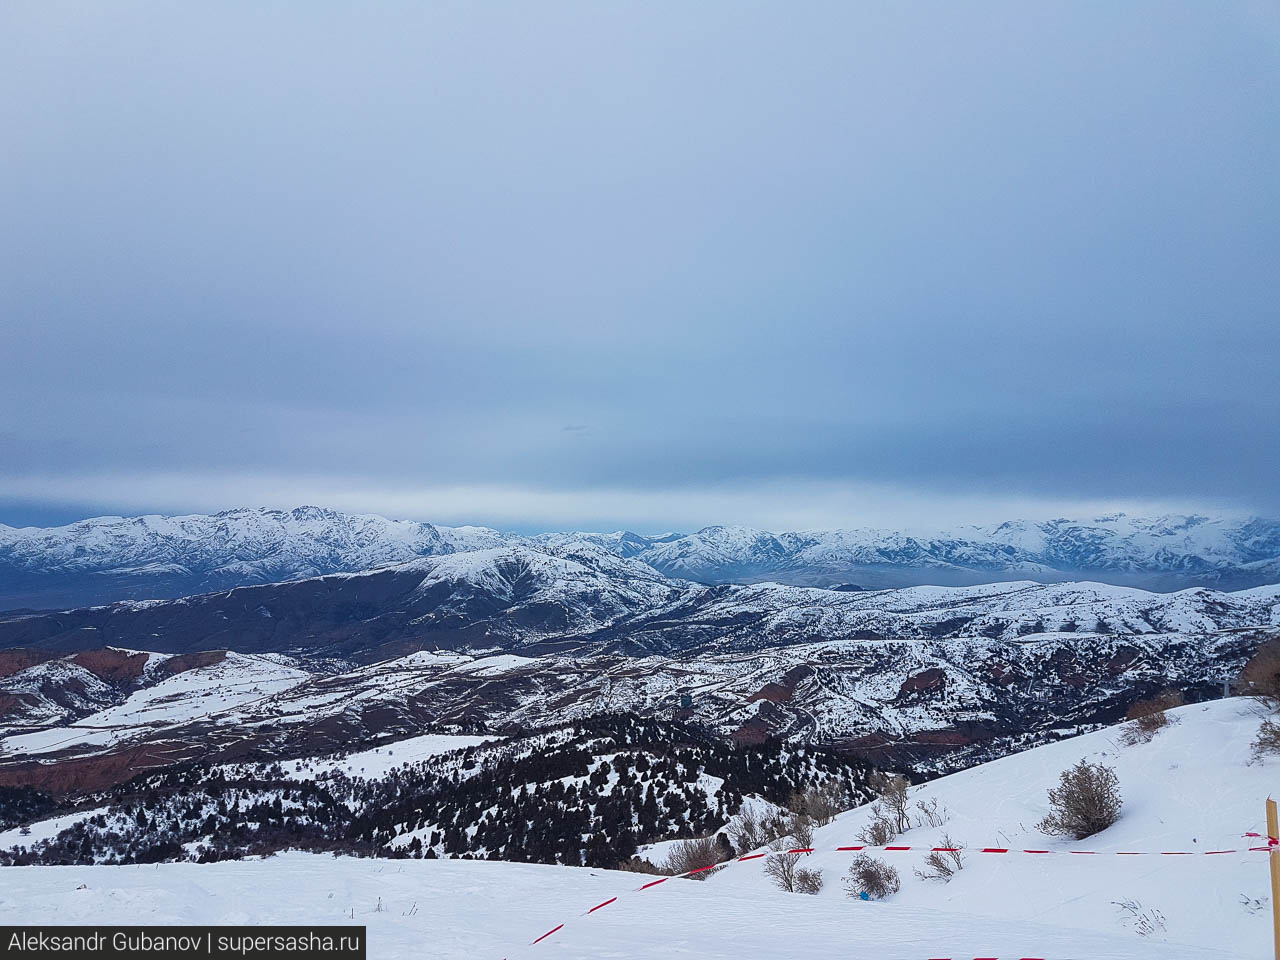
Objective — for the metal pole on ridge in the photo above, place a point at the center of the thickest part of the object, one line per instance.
(1273, 858)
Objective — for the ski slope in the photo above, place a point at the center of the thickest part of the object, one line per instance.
(478, 910)
(1190, 788)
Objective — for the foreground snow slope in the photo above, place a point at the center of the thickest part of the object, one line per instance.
(1189, 788)
(473, 910)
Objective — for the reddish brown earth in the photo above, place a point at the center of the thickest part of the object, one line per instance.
(190, 661)
(926, 680)
(15, 704)
(781, 692)
(112, 664)
(11, 661)
(83, 774)
(883, 750)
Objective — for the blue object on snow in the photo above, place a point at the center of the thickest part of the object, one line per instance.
(863, 895)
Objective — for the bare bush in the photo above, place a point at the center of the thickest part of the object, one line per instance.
(1149, 717)
(822, 802)
(692, 854)
(782, 865)
(873, 877)
(800, 829)
(1086, 800)
(808, 881)
(640, 865)
(932, 814)
(1260, 677)
(745, 830)
(879, 829)
(750, 831)
(1267, 742)
(942, 864)
(893, 791)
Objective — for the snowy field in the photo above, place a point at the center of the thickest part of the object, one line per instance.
(224, 688)
(475, 910)
(377, 762)
(1190, 788)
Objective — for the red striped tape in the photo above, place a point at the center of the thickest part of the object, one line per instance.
(1271, 843)
(548, 933)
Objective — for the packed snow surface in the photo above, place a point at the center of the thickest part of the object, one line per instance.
(1191, 787)
(473, 910)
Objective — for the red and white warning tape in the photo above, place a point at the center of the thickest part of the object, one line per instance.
(1272, 843)
(1116, 853)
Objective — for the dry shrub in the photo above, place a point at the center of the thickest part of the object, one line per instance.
(800, 829)
(821, 803)
(1267, 742)
(808, 881)
(750, 831)
(871, 876)
(879, 829)
(783, 867)
(1086, 800)
(1148, 717)
(692, 854)
(932, 814)
(1260, 677)
(942, 864)
(639, 865)
(892, 789)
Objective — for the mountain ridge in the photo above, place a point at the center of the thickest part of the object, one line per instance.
(102, 559)
(519, 636)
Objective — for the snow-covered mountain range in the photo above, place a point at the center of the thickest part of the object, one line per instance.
(1167, 552)
(153, 557)
(518, 636)
(575, 596)
(114, 558)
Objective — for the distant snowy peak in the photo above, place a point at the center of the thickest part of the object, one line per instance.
(1167, 552)
(109, 558)
(578, 584)
(114, 558)
(305, 541)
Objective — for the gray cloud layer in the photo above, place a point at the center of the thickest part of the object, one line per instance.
(923, 256)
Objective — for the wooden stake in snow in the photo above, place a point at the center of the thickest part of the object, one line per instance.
(1273, 831)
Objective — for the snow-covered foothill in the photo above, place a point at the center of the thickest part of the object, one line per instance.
(224, 688)
(377, 762)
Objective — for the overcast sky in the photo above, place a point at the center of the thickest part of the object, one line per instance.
(549, 265)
